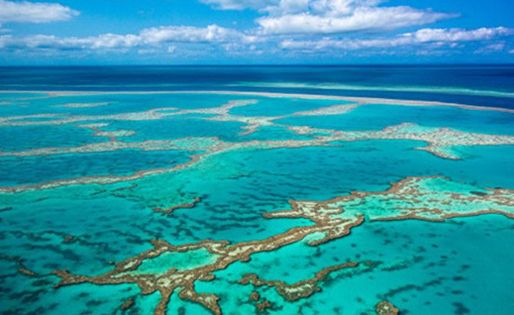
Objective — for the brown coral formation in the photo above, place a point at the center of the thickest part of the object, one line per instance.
(22, 269)
(170, 210)
(27, 272)
(225, 254)
(68, 238)
(263, 305)
(255, 296)
(298, 290)
(332, 219)
(127, 304)
(386, 308)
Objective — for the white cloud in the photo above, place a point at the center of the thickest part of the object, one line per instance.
(340, 26)
(169, 38)
(330, 16)
(362, 19)
(457, 35)
(150, 37)
(235, 4)
(491, 48)
(435, 37)
(211, 33)
(34, 12)
(283, 7)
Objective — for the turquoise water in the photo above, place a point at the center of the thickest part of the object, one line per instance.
(179, 127)
(375, 117)
(31, 170)
(283, 106)
(29, 137)
(458, 266)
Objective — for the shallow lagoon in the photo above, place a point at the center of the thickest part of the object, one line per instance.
(422, 267)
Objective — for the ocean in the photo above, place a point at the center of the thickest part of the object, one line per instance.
(257, 190)
(485, 85)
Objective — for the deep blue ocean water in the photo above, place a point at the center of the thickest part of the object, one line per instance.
(485, 85)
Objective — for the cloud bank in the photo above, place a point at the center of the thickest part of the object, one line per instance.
(34, 12)
(438, 37)
(147, 37)
(282, 27)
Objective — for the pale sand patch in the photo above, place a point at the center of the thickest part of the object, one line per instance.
(84, 105)
(327, 111)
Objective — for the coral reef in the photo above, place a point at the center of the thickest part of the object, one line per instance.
(298, 290)
(425, 198)
(170, 210)
(386, 308)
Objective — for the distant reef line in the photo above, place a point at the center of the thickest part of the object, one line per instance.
(360, 100)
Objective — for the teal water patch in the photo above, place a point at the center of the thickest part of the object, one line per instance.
(117, 103)
(376, 117)
(75, 228)
(423, 268)
(325, 172)
(452, 90)
(16, 96)
(180, 261)
(485, 166)
(420, 267)
(36, 169)
(175, 127)
(18, 103)
(33, 297)
(262, 181)
(273, 133)
(19, 138)
(282, 106)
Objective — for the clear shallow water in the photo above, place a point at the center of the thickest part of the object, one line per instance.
(27, 170)
(376, 117)
(460, 266)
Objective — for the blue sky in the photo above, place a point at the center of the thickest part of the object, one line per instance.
(255, 31)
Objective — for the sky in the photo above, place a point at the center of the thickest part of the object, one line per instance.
(132, 32)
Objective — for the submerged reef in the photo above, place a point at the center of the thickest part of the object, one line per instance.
(170, 210)
(85, 105)
(184, 144)
(422, 198)
(203, 235)
(386, 308)
(111, 135)
(440, 142)
(301, 289)
(152, 114)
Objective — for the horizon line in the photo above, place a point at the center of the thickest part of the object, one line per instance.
(268, 65)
